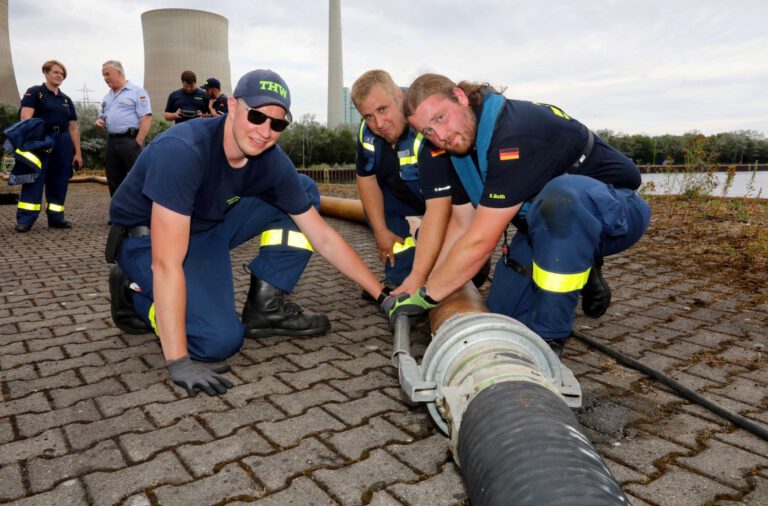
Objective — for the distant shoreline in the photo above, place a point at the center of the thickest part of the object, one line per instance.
(716, 167)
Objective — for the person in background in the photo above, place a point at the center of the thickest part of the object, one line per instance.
(217, 101)
(187, 102)
(47, 102)
(126, 115)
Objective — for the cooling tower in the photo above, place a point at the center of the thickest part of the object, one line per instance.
(335, 86)
(9, 92)
(176, 40)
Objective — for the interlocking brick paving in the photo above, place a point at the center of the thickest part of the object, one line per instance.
(88, 414)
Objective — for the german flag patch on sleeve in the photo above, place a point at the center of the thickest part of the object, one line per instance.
(509, 154)
(437, 152)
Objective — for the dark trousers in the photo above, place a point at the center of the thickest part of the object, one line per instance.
(53, 180)
(570, 222)
(122, 152)
(395, 212)
(214, 329)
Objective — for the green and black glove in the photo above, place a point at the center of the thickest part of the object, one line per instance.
(414, 305)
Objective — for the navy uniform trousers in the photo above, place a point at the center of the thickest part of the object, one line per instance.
(214, 329)
(54, 178)
(395, 212)
(570, 222)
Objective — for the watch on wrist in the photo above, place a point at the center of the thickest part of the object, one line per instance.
(424, 294)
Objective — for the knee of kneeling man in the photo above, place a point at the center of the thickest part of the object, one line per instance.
(223, 348)
(557, 201)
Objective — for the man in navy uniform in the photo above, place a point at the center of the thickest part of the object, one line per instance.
(399, 175)
(126, 115)
(187, 102)
(197, 191)
(570, 195)
(217, 101)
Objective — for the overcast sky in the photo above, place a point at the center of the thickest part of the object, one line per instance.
(634, 66)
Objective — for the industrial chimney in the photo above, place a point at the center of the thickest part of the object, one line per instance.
(9, 92)
(335, 73)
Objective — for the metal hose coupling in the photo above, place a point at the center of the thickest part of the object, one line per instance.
(471, 352)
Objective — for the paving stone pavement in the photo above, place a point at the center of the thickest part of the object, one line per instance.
(89, 416)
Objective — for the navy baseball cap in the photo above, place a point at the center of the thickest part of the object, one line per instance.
(212, 82)
(264, 87)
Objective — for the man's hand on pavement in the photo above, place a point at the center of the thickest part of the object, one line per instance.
(194, 376)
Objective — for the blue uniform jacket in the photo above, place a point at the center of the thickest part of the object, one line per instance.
(30, 145)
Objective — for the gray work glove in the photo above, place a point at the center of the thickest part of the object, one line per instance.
(194, 376)
(387, 301)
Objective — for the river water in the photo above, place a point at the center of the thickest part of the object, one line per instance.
(744, 184)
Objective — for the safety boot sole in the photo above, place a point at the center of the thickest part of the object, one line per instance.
(267, 332)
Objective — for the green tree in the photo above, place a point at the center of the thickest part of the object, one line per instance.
(8, 116)
(92, 140)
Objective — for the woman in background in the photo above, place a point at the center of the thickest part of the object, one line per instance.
(50, 104)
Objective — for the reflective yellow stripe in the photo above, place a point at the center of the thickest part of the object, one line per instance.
(31, 157)
(410, 160)
(559, 283)
(399, 247)
(417, 143)
(56, 208)
(559, 112)
(151, 317)
(366, 145)
(28, 207)
(272, 237)
(295, 239)
(298, 240)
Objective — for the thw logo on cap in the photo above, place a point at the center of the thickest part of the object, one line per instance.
(274, 87)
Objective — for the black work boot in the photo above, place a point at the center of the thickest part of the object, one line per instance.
(596, 294)
(123, 313)
(266, 314)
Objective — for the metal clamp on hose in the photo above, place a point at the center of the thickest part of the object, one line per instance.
(411, 377)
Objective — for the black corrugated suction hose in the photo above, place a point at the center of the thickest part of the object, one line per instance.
(520, 444)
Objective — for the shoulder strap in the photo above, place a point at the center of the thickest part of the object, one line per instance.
(471, 178)
(368, 146)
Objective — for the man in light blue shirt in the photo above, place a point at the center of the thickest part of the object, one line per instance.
(126, 115)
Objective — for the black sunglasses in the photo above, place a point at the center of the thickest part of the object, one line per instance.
(258, 117)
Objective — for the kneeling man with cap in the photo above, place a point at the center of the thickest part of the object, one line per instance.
(197, 191)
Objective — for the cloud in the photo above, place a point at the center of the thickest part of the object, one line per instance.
(653, 66)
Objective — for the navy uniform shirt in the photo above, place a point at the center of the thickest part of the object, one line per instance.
(533, 143)
(57, 110)
(220, 104)
(434, 169)
(185, 170)
(180, 99)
